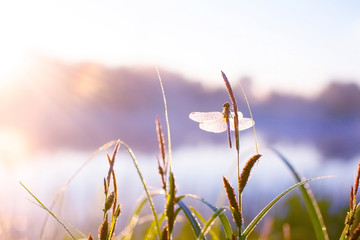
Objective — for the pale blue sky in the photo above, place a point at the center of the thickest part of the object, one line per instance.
(292, 46)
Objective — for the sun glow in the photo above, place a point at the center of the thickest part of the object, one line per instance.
(13, 145)
(12, 65)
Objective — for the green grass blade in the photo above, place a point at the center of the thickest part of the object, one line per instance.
(127, 233)
(166, 119)
(193, 221)
(129, 230)
(263, 212)
(310, 202)
(151, 231)
(203, 221)
(208, 224)
(49, 211)
(224, 220)
(70, 179)
(132, 155)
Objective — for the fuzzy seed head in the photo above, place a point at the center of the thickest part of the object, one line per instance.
(230, 194)
(109, 201)
(244, 177)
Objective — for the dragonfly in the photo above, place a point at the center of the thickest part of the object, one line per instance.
(218, 122)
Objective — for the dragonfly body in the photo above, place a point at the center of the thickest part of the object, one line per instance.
(226, 117)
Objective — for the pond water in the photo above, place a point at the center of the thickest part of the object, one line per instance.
(198, 170)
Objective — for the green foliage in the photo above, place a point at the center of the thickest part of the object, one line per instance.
(310, 201)
(300, 223)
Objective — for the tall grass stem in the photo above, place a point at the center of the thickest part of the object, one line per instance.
(166, 119)
(252, 119)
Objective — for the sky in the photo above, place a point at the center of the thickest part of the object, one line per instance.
(289, 46)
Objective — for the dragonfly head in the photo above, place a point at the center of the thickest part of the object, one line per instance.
(226, 111)
(226, 105)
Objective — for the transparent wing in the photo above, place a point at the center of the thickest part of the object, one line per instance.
(239, 114)
(205, 116)
(244, 123)
(215, 126)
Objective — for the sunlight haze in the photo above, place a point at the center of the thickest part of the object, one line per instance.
(295, 47)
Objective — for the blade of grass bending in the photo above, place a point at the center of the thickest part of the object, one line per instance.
(151, 231)
(224, 220)
(263, 212)
(48, 210)
(310, 202)
(132, 155)
(68, 181)
(166, 119)
(189, 215)
(126, 234)
(207, 224)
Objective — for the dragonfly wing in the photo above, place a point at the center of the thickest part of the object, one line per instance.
(205, 116)
(215, 126)
(240, 115)
(244, 123)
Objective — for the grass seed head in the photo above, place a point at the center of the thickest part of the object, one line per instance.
(234, 207)
(356, 234)
(356, 187)
(106, 187)
(230, 194)
(244, 177)
(118, 211)
(109, 201)
(235, 108)
(161, 141)
(104, 228)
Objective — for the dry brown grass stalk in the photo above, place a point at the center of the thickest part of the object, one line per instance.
(235, 108)
(162, 165)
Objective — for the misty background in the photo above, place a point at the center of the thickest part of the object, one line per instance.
(57, 113)
(82, 106)
(77, 74)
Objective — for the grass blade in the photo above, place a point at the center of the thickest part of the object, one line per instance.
(166, 119)
(211, 220)
(310, 202)
(69, 180)
(263, 212)
(132, 155)
(190, 216)
(224, 220)
(151, 231)
(127, 233)
(49, 211)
